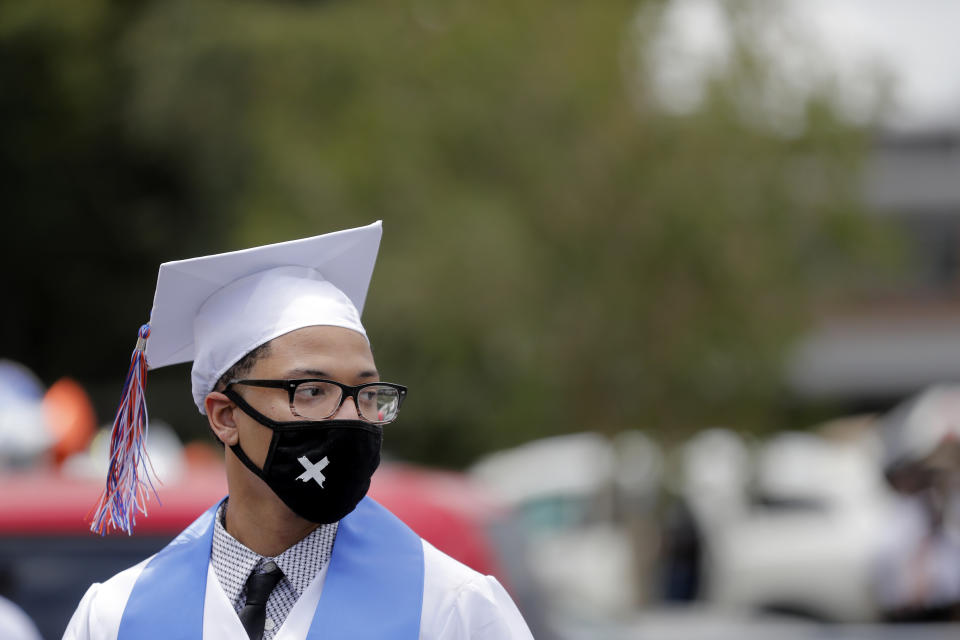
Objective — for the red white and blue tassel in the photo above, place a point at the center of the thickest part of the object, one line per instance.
(128, 478)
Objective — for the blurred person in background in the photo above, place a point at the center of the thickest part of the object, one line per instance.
(283, 370)
(917, 575)
(917, 561)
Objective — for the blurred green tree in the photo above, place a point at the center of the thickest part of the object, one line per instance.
(87, 212)
(559, 254)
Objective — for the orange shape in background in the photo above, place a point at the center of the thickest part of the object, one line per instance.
(70, 418)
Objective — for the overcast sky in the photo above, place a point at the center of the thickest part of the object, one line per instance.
(915, 41)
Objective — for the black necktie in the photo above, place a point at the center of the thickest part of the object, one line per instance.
(259, 585)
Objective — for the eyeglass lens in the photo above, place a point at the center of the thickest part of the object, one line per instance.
(320, 400)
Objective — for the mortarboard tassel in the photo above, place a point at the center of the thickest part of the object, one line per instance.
(126, 491)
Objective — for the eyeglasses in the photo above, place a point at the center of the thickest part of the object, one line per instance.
(318, 399)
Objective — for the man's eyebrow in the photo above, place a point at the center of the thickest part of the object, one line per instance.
(319, 373)
(306, 373)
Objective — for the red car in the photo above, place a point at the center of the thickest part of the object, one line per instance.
(48, 557)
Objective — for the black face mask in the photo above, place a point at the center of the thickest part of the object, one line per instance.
(320, 469)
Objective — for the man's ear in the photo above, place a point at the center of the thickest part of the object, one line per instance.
(220, 415)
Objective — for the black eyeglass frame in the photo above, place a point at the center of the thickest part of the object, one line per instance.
(346, 391)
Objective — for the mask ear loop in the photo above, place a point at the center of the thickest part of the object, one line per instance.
(256, 415)
(263, 420)
(248, 463)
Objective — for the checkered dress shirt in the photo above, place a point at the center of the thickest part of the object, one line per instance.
(233, 563)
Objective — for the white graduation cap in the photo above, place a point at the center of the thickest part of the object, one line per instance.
(214, 310)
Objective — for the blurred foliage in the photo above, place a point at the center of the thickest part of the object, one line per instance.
(558, 254)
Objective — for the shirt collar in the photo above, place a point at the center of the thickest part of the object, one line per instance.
(300, 563)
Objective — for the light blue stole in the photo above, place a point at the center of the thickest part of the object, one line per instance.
(373, 588)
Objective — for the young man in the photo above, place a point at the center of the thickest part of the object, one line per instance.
(284, 372)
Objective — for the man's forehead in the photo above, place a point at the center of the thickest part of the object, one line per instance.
(319, 352)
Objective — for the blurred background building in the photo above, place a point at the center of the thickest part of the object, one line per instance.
(896, 335)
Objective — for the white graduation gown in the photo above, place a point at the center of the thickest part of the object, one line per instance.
(458, 604)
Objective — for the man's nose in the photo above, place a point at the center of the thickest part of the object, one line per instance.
(347, 410)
